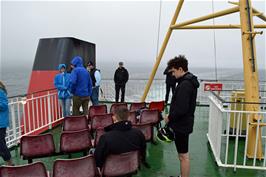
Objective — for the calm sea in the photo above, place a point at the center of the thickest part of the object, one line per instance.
(17, 78)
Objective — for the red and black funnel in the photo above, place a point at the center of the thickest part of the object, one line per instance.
(50, 53)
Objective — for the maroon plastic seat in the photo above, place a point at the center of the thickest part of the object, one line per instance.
(149, 116)
(98, 134)
(116, 106)
(121, 164)
(75, 141)
(99, 121)
(74, 123)
(97, 110)
(36, 146)
(132, 117)
(146, 129)
(79, 167)
(137, 106)
(36, 169)
(158, 105)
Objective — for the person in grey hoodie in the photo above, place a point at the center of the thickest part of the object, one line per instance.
(182, 108)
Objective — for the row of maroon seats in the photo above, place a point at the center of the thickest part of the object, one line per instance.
(37, 146)
(148, 118)
(115, 165)
(102, 109)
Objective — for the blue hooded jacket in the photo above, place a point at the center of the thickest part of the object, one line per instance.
(62, 83)
(81, 84)
(4, 112)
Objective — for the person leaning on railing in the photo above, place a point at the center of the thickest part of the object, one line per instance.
(4, 123)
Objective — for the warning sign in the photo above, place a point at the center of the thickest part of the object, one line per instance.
(213, 86)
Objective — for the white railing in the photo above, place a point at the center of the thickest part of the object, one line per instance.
(38, 112)
(32, 114)
(228, 134)
(135, 88)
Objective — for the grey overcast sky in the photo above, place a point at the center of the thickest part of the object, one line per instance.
(124, 30)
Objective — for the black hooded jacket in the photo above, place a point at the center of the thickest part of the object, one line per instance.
(170, 79)
(183, 104)
(121, 76)
(119, 138)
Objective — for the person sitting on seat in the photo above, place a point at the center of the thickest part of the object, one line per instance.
(119, 138)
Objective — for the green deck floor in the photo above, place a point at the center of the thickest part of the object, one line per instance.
(163, 157)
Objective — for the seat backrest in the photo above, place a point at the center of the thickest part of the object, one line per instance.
(75, 141)
(34, 146)
(137, 106)
(132, 117)
(36, 169)
(97, 110)
(159, 105)
(116, 106)
(79, 167)
(74, 123)
(121, 164)
(146, 129)
(98, 134)
(149, 116)
(103, 120)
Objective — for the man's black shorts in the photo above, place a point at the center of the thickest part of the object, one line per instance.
(181, 142)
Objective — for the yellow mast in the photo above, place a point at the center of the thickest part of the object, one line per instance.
(250, 74)
(249, 57)
(165, 42)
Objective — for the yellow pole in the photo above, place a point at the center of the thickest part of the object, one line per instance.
(159, 57)
(260, 15)
(255, 11)
(207, 17)
(250, 75)
(230, 26)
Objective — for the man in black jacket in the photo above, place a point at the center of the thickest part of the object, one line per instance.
(120, 78)
(182, 108)
(119, 138)
(170, 83)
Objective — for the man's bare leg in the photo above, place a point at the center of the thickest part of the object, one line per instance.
(184, 164)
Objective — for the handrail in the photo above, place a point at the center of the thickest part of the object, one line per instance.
(242, 102)
(141, 79)
(27, 94)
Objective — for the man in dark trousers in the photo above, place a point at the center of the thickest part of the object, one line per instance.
(119, 138)
(182, 108)
(96, 81)
(170, 83)
(120, 78)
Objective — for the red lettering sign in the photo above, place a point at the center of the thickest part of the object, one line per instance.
(213, 86)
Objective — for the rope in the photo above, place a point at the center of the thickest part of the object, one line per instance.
(214, 44)
(159, 27)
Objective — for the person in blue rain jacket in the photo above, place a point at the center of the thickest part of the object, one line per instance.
(62, 84)
(4, 123)
(81, 86)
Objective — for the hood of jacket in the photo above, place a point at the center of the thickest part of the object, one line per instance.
(61, 66)
(120, 126)
(77, 61)
(192, 78)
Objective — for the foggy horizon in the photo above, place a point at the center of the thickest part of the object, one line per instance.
(123, 31)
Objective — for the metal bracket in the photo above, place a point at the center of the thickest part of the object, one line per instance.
(253, 34)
